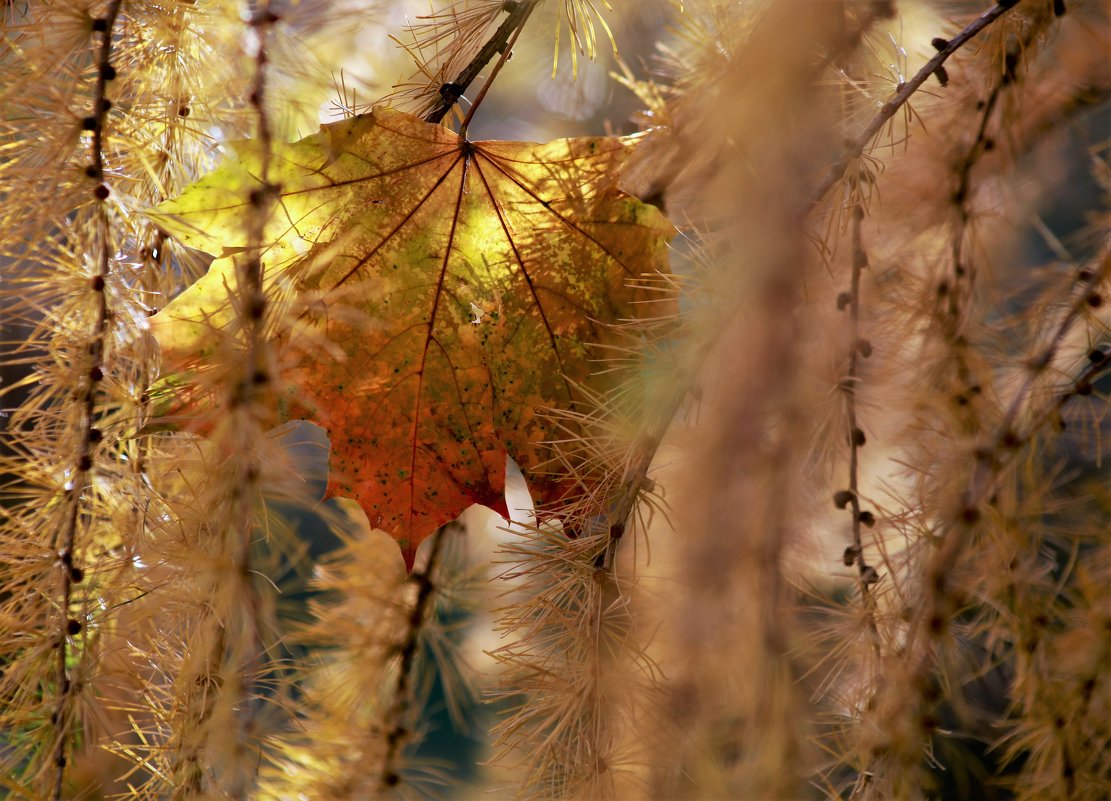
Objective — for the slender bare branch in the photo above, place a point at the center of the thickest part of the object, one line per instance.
(855, 147)
(519, 11)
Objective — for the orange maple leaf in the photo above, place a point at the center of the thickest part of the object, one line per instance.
(445, 294)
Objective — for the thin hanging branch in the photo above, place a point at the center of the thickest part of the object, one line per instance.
(955, 292)
(1006, 439)
(866, 573)
(634, 480)
(261, 200)
(404, 702)
(91, 435)
(249, 393)
(993, 458)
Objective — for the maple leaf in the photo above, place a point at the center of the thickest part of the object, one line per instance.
(447, 293)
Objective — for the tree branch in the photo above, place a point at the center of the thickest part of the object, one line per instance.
(91, 433)
(855, 147)
(519, 11)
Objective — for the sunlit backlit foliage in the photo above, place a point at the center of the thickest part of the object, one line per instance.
(817, 508)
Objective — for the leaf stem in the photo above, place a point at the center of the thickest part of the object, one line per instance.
(505, 53)
(519, 12)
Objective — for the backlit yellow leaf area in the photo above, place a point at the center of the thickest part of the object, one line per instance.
(445, 293)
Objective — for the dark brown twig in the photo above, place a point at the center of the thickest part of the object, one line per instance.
(854, 148)
(409, 650)
(866, 573)
(91, 435)
(519, 11)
